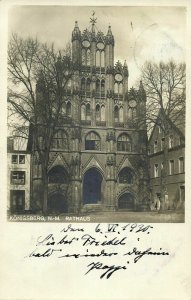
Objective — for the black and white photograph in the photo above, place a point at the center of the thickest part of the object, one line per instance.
(95, 150)
(96, 113)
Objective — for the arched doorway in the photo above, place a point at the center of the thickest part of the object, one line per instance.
(126, 202)
(92, 187)
(58, 175)
(58, 181)
(57, 203)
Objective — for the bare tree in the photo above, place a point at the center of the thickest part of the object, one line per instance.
(165, 85)
(38, 79)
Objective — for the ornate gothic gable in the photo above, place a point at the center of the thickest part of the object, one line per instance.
(125, 162)
(57, 159)
(93, 162)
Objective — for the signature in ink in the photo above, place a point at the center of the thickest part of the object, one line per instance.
(107, 270)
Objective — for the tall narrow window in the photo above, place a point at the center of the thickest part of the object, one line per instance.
(156, 170)
(83, 56)
(103, 86)
(98, 112)
(88, 112)
(88, 57)
(181, 164)
(63, 109)
(155, 146)
(162, 143)
(83, 84)
(83, 112)
(121, 114)
(120, 88)
(97, 86)
(98, 59)
(102, 59)
(68, 109)
(116, 88)
(171, 141)
(88, 82)
(102, 113)
(130, 113)
(116, 113)
(171, 167)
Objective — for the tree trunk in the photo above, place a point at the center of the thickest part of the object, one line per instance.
(45, 192)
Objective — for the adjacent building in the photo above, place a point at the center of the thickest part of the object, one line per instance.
(18, 179)
(167, 165)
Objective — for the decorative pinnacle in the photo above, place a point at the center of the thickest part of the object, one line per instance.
(93, 20)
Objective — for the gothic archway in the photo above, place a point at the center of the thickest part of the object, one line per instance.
(92, 186)
(126, 201)
(58, 175)
(57, 203)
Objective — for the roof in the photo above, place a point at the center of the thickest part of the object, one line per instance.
(177, 122)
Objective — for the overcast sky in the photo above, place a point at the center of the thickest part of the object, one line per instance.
(141, 33)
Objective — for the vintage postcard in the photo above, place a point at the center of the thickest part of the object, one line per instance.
(95, 116)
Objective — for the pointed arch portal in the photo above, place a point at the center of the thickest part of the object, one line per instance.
(92, 186)
(126, 201)
(57, 203)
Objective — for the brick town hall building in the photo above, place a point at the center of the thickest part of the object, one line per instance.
(107, 135)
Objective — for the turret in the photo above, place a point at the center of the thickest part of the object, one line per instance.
(125, 77)
(109, 49)
(76, 45)
(142, 92)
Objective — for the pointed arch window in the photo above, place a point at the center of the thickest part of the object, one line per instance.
(124, 143)
(120, 88)
(84, 56)
(121, 114)
(83, 84)
(59, 140)
(126, 176)
(83, 112)
(88, 83)
(92, 141)
(97, 86)
(132, 113)
(103, 86)
(116, 113)
(88, 57)
(102, 59)
(88, 112)
(98, 59)
(68, 109)
(102, 113)
(116, 88)
(98, 112)
(58, 175)
(63, 110)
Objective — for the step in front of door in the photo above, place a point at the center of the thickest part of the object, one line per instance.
(92, 208)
